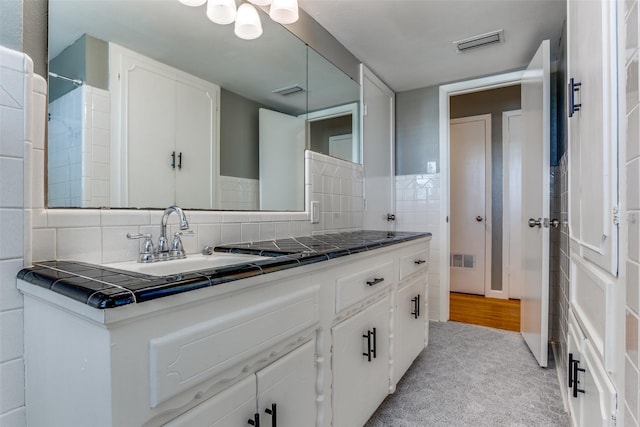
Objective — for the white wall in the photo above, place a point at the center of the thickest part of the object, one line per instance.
(15, 142)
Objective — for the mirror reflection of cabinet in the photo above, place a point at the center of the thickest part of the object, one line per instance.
(168, 134)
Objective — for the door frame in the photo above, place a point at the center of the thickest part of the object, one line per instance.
(445, 92)
(507, 235)
(487, 196)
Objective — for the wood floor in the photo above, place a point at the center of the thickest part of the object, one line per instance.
(491, 312)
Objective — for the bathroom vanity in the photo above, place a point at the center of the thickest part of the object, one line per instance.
(315, 334)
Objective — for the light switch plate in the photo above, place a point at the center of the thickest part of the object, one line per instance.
(315, 212)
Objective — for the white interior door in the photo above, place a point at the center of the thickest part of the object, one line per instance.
(512, 203)
(378, 152)
(470, 213)
(282, 143)
(534, 307)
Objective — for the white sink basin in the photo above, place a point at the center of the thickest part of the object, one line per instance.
(188, 264)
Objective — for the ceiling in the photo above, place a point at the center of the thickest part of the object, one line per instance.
(409, 43)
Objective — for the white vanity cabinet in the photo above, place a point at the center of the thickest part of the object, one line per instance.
(147, 364)
(315, 345)
(281, 394)
(411, 331)
(360, 364)
(592, 396)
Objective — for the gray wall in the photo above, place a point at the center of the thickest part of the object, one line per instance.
(492, 102)
(86, 59)
(417, 130)
(11, 24)
(239, 149)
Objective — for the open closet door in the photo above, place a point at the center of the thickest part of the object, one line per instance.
(534, 305)
(378, 152)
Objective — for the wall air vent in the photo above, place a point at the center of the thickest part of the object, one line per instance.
(289, 90)
(481, 40)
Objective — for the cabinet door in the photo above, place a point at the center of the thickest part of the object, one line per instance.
(593, 146)
(147, 127)
(599, 404)
(360, 384)
(195, 145)
(290, 385)
(410, 326)
(231, 407)
(574, 350)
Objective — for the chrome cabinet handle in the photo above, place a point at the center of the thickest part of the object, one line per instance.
(479, 218)
(555, 223)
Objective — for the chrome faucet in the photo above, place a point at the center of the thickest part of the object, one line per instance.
(163, 245)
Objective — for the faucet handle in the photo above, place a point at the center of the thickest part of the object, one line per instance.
(146, 250)
(177, 250)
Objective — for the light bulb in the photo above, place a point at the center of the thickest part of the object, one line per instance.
(261, 2)
(284, 11)
(248, 25)
(221, 11)
(193, 3)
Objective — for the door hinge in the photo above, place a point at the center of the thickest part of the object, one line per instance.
(616, 215)
(118, 76)
(364, 109)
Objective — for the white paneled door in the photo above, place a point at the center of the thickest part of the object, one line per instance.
(470, 212)
(378, 153)
(282, 141)
(534, 306)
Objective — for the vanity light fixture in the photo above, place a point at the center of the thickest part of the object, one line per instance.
(221, 12)
(193, 3)
(247, 20)
(248, 25)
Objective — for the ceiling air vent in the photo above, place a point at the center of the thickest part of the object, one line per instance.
(474, 42)
(289, 90)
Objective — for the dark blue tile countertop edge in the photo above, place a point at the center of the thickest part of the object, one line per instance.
(102, 287)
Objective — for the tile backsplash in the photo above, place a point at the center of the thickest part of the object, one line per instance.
(418, 209)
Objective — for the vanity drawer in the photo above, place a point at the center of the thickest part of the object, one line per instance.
(356, 287)
(413, 262)
(185, 358)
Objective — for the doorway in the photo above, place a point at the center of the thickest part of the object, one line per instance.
(481, 168)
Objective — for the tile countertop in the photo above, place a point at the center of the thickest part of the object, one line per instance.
(102, 287)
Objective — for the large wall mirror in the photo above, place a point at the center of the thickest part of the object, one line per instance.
(152, 104)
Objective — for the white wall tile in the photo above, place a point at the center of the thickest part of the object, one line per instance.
(631, 388)
(11, 176)
(208, 235)
(10, 296)
(230, 233)
(80, 244)
(11, 335)
(11, 385)
(116, 246)
(44, 244)
(11, 137)
(15, 418)
(60, 218)
(250, 232)
(11, 233)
